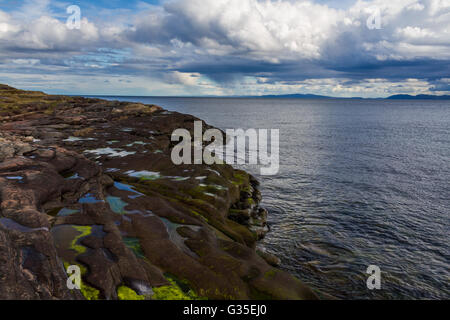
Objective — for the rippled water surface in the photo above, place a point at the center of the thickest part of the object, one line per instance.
(362, 182)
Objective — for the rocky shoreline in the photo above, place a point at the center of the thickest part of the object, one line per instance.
(89, 182)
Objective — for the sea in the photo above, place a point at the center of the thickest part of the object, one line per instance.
(361, 183)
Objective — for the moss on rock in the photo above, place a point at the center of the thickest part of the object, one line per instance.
(125, 293)
(174, 292)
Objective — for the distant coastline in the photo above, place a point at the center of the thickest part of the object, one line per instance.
(393, 97)
(418, 97)
(289, 96)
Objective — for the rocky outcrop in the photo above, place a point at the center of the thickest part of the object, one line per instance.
(90, 183)
(11, 146)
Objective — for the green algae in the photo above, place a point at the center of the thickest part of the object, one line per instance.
(126, 293)
(89, 292)
(197, 214)
(250, 201)
(173, 292)
(134, 245)
(239, 178)
(85, 231)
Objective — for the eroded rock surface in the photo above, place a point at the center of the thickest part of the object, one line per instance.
(90, 183)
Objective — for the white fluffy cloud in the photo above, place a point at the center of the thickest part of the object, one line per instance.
(293, 29)
(45, 33)
(224, 43)
(280, 27)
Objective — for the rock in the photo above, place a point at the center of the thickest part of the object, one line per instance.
(99, 191)
(83, 132)
(107, 181)
(135, 109)
(269, 258)
(75, 120)
(240, 216)
(13, 146)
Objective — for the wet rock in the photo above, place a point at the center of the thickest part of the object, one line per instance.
(269, 258)
(240, 216)
(95, 187)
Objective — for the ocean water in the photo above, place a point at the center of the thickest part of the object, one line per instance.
(361, 182)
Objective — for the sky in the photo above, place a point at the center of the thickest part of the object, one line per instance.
(346, 48)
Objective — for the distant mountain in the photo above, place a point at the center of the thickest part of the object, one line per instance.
(394, 97)
(418, 97)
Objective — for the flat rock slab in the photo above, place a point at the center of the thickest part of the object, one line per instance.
(91, 183)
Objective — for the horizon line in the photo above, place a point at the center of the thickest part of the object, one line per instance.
(271, 96)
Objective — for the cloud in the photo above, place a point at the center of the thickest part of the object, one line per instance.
(290, 29)
(226, 45)
(189, 79)
(441, 85)
(45, 33)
